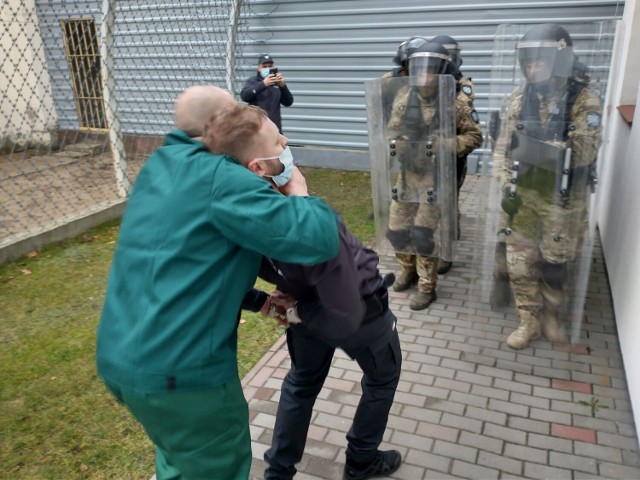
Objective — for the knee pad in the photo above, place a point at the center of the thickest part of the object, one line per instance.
(554, 274)
(422, 239)
(399, 238)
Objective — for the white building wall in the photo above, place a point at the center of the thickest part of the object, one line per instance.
(619, 200)
(27, 112)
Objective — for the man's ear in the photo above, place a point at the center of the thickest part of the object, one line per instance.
(256, 166)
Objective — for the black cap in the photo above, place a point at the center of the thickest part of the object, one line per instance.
(265, 58)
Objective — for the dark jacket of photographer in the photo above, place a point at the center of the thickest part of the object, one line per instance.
(267, 98)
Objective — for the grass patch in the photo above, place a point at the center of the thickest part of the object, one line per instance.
(349, 193)
(58, 421)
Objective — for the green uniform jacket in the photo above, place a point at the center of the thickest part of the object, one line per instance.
(191, 240)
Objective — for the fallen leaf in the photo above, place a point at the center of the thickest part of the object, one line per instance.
(242, 320)
(32, 254)
(87, 238)
(26, 271)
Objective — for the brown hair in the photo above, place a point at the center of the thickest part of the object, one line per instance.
(232, 130)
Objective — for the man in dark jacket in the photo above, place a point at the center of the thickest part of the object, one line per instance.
(267, 90)
(340, 303)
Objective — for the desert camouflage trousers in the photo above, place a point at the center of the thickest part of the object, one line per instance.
(413, 209)
(425, 267)
(545, 237)
(405, 215)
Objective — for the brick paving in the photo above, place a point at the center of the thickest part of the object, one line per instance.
(468, 406)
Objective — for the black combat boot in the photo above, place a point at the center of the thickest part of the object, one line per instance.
(444, 267)
(383, 465)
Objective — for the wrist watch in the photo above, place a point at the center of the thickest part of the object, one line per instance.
(292, 315)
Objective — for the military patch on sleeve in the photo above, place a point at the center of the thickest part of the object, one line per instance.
(593, 119)
(466, 90)
(474, 116)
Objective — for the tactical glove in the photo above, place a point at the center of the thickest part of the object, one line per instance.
(447, 144)
(510, 202)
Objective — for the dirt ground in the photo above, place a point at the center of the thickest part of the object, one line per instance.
(40, 190)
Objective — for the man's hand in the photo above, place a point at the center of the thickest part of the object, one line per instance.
(271, 80)
(275, 311)
(282, 299)
(280, 314)
(280, 302)
(279, 79)
(266, 307)
(447, 144)
(296, 186)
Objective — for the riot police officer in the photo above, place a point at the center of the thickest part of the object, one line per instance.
(543, 157)
(415, 223)
(465, 96)
(401, 58)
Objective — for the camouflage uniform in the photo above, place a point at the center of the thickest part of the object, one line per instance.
(546, 230)
(464, 102)
(469, 137)
(466, 95)
(396, 72)
(405, 216)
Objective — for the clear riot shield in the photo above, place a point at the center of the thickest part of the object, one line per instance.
(534, 244)
(412, 146)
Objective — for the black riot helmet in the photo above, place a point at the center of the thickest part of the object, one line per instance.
(428, 60)
(406, 48)
(545, 51)
(580, 72)
(452, 47)
(401, 54)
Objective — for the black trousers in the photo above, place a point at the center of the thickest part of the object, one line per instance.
(380, 359)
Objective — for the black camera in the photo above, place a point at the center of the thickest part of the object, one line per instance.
(273, 71)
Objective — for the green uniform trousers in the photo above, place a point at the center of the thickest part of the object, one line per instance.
(199, 435)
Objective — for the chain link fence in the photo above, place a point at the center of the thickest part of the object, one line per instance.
(86, 93)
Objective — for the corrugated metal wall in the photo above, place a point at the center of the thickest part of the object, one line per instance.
(326, 49)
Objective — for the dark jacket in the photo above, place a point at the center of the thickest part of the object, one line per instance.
(335, 298)
(269, 99)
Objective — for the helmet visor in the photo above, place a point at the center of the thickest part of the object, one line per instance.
(540, 60)
(424, 66)
(454, 52)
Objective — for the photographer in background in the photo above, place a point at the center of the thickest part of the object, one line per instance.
(267, 90)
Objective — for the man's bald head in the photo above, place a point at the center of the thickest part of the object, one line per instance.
(197, 104)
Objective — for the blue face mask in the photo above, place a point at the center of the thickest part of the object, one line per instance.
(265, 72)
(286, 159)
